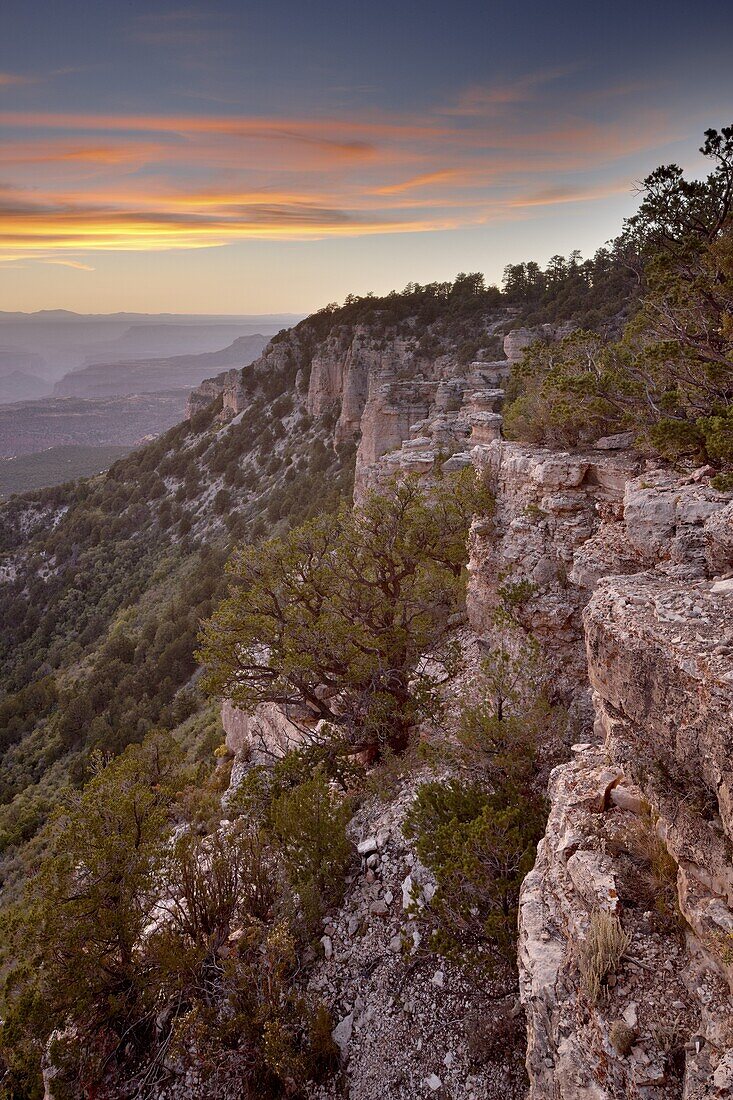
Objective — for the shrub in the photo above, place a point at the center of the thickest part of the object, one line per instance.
(622, 1037)
(479, 847)
(309, 822)
(492, 1035)
(135, 945)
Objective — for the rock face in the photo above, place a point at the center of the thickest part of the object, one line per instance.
(422, 426)
(408, 410)
(263, 736)
(548, 506)
(633, 609)
(519, 340)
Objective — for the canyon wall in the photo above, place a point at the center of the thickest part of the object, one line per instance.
(404, 408)
(621, 574)
(630, 597)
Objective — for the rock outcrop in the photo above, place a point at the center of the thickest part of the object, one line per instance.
(408, 409)
(628, 589)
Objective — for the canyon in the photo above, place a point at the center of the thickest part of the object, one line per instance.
(629, 573)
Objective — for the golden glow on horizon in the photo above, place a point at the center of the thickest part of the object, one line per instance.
(80, 183)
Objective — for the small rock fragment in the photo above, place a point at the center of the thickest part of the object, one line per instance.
(342, 1033)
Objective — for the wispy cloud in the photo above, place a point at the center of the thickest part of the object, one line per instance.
(76, 264)
(480, 100)
(8, 80)
(554, 196)
(446, 175)
(81, 182)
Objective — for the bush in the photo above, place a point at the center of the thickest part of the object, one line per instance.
(622, 1037)
(309, 823)
(479, 846)
(134, 942)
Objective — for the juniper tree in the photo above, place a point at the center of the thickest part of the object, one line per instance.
(348, 616)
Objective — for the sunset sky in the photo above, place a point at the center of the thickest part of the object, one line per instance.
(251, 157)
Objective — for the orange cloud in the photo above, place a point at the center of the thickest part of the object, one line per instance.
(556, 195)
(70, 263)
(9, 79)
(445, 176)
(86, 182)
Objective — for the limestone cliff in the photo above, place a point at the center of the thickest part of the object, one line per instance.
(409, 407)
(627, 608)
(624, 578)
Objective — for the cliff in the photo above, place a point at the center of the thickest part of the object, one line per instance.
(616, 561)
(625, 604)
(407, 407)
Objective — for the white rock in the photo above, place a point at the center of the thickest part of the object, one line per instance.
(438, 979)
(433, 1082)
(367, 846)
(327, 946)
(618, 442)
(342, 1033)
(723, 1076)
(721, 587)
(629, 1014)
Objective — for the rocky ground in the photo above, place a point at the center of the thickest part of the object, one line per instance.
(409, 1023)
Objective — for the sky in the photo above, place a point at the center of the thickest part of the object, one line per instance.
(251, 157)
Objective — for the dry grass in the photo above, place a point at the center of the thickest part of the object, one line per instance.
(601, 952)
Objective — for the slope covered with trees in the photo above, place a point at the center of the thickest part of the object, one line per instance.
(669, 378)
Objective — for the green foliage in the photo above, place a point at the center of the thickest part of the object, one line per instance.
(143, 935)
(338, 616)
(477, 832)
(570, 392)
(590, 292)
(670, 378)
(309, 823)
(80, 925)
(675, 211)
(479, 846)
(55, 465)
(20, 711)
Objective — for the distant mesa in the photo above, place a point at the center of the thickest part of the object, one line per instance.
(159, 374)
(52, 343)
(18, 385)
